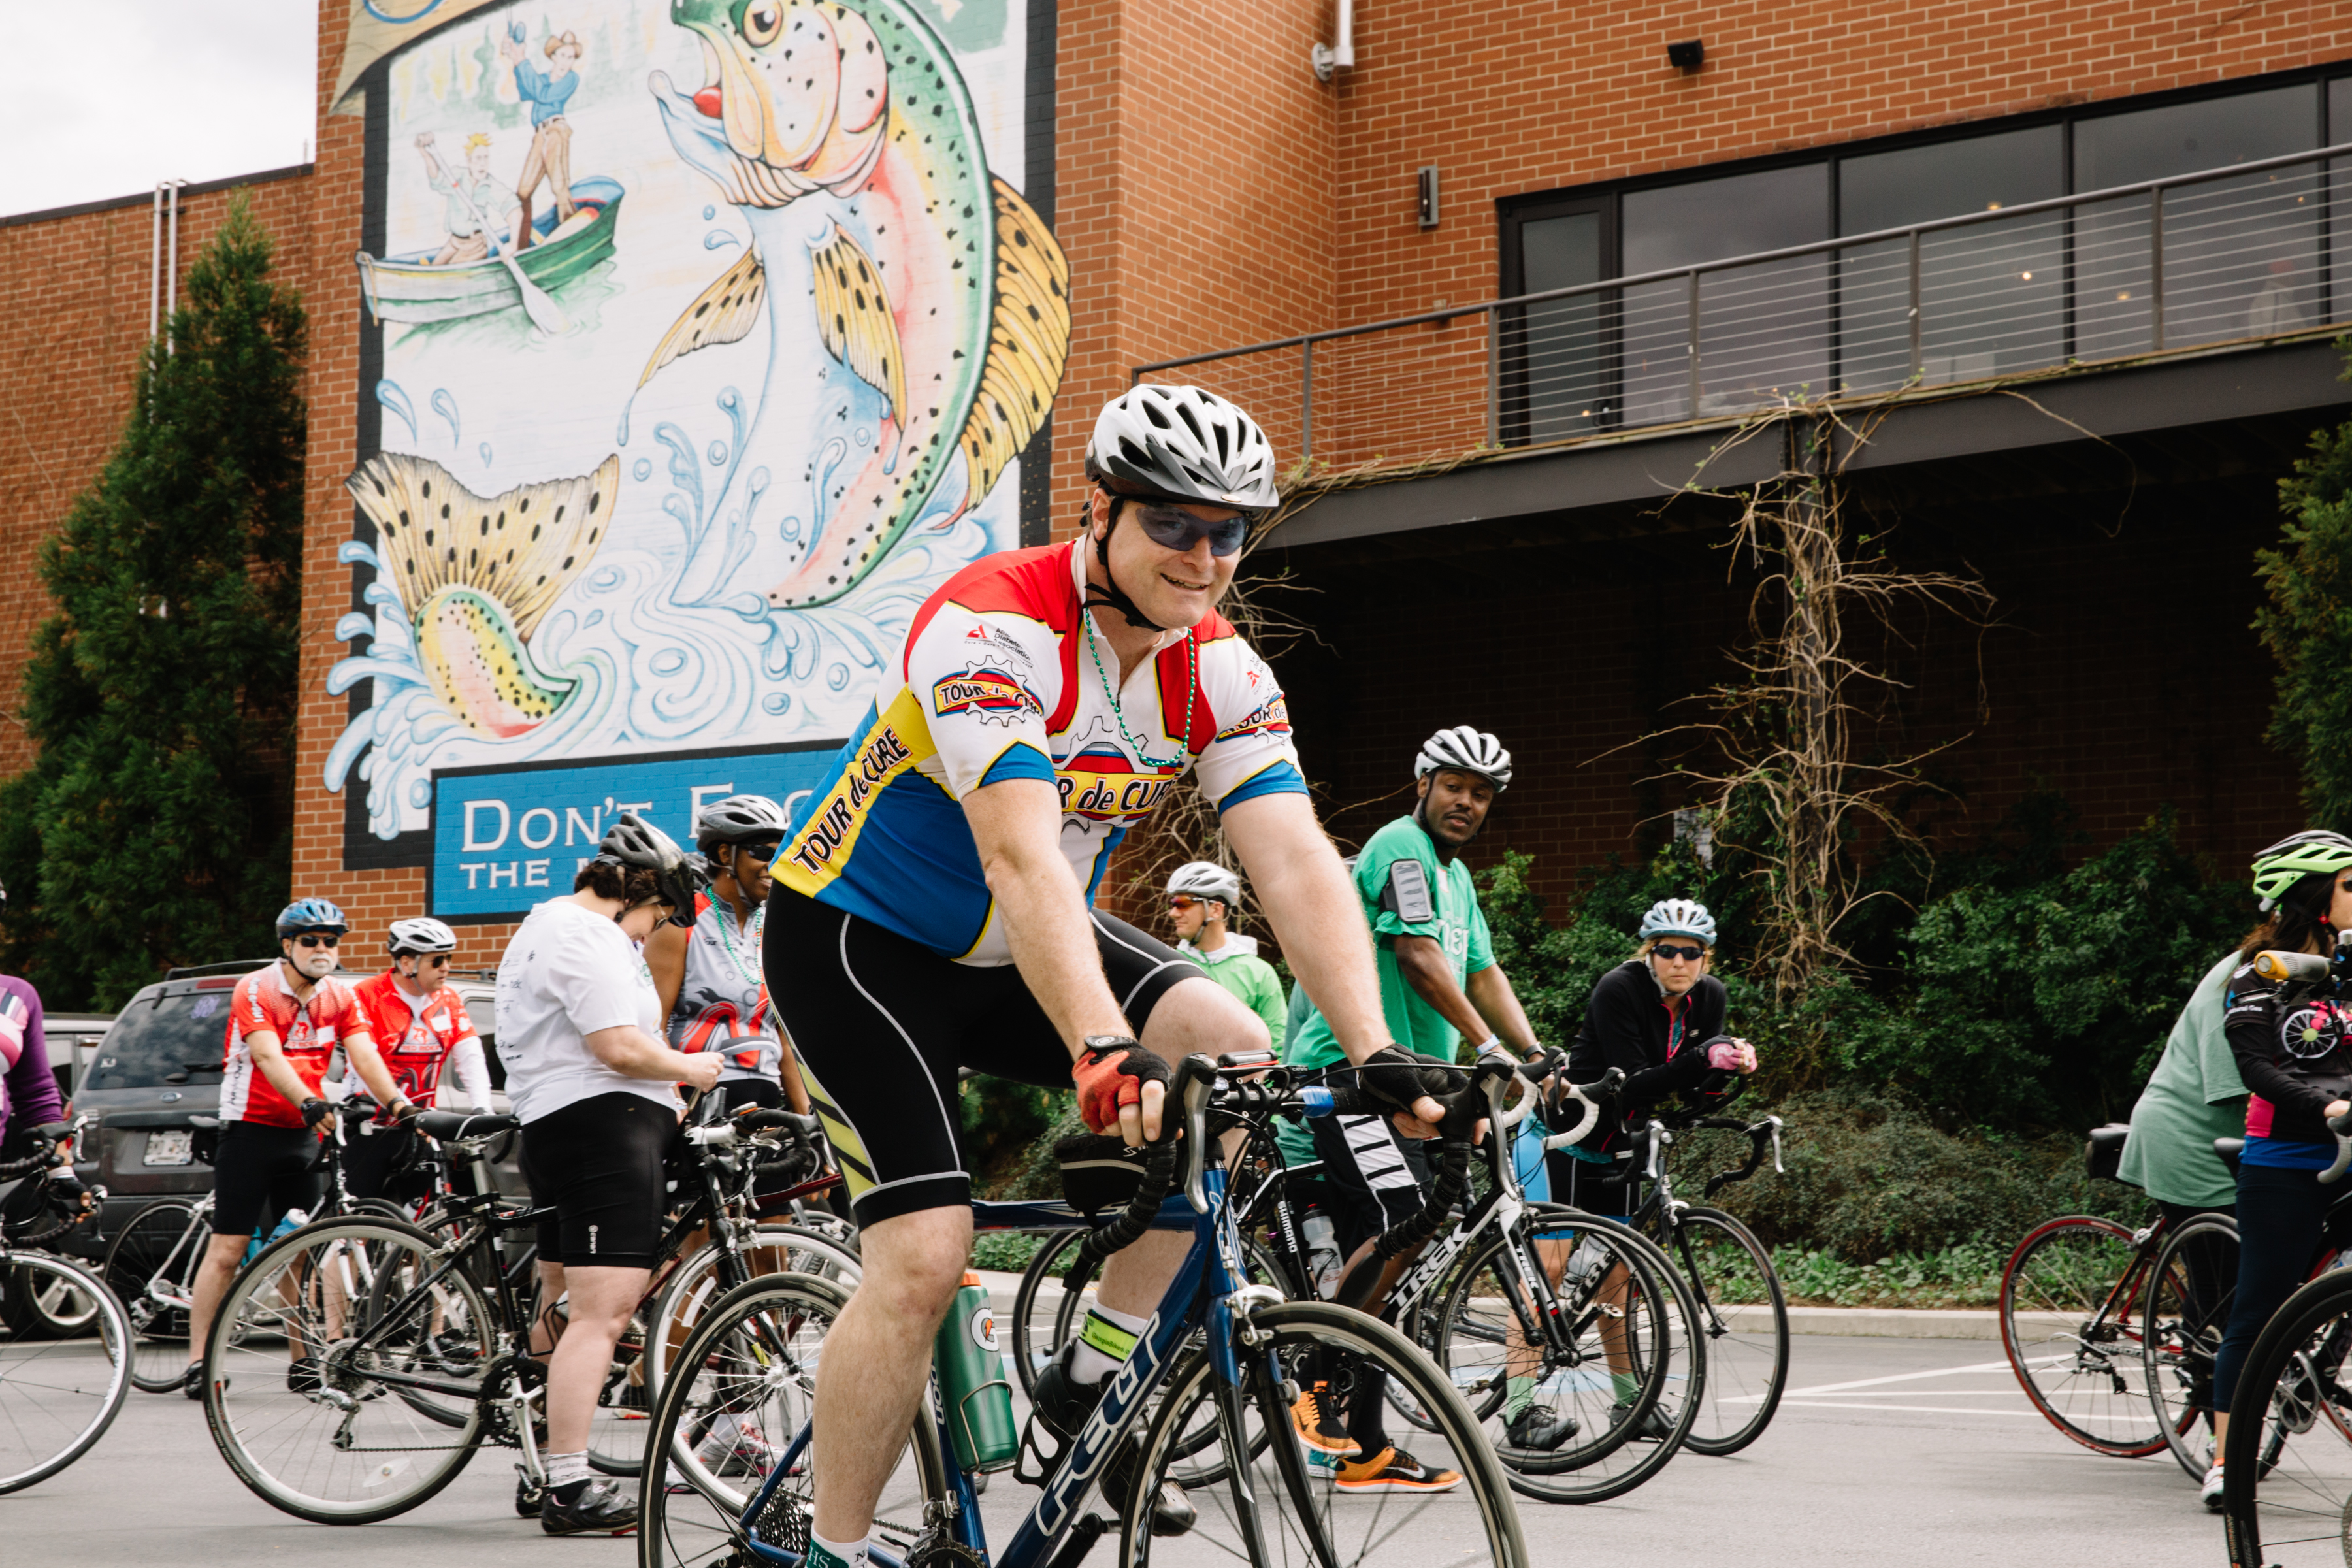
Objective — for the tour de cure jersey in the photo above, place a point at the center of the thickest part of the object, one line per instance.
(1001, 683)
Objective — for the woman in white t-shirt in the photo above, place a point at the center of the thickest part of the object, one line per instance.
(580, 1033)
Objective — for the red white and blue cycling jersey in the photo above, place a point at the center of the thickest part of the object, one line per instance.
(1000, 683)
(307, 1032)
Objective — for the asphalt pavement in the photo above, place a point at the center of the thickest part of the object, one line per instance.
(1886, 1451)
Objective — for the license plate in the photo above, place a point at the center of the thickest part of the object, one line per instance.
(168, 1148)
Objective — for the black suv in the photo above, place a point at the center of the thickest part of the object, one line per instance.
(161, 1063)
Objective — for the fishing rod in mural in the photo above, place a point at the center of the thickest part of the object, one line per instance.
(712, 334)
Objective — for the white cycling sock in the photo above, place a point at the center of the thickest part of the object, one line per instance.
(1103, 1343)
(563, 1469)
(837, 1553)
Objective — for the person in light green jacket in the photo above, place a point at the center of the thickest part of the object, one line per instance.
(2193, 1097)
(1202, 898)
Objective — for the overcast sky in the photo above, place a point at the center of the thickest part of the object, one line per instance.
(103, 98)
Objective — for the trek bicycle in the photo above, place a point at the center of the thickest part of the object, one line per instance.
(1211, 1380)
(57, 1397)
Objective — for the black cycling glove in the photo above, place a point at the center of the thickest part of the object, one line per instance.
(1400, 1076)
(316, 1110)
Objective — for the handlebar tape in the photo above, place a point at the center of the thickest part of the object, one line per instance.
(1158, 1181)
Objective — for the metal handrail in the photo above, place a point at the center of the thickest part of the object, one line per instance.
(1756, 258)
(2151, 191)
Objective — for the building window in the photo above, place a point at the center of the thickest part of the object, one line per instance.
(2243, 258)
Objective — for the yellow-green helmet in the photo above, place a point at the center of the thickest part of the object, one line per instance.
(2299, 855)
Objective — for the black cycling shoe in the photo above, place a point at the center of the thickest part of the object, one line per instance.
(596, 1508)
(1061, 1405)
(527, 1494)
(191, 1383)
(303, 1376)
(1657, 1426)
(1539, 1429)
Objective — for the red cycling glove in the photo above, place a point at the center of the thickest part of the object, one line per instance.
(1112, 1073)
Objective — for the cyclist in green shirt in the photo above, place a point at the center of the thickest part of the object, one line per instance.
(1203, 900)
(1439, 985)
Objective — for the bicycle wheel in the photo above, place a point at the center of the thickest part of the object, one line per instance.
(1231, 1446)
(1036, 1302)
(2072, 1300)
(1744, 1317)
(2188, 1295)
(298, 1401)
(150, 1264)
(694, 1284)
(736, 1406)
(1601, 1410)
(57, 1397)
(2287, 1465)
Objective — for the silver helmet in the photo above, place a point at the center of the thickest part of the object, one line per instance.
(1183, 443)
(420, 934)
(1207, 880)
(1468, 750)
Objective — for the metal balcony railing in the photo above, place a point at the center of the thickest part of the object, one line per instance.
(2249, 252)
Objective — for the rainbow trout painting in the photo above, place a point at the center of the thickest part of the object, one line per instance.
(882, 248)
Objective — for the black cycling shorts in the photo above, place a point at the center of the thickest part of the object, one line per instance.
(881, 1024)
(1374, 1177)
(599, 1162)
(1607, 1190)
(383, 1162)
(259, 1172)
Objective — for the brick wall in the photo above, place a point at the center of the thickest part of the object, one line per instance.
(74, 293)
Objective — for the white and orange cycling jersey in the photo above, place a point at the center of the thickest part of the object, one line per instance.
(418, 1041)
(1004, 679)
(307, 1031)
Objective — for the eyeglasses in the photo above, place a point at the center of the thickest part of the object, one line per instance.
(762, 852)
(1173, 527)
(1181, 901)
(1688, 954)
(439, 960)
(318, 939)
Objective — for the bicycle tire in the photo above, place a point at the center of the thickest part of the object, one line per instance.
(693, 1287)
(251, 1397)
(1649, 1426)
(752, 1357)
(48, 1422)
(154, 1255)
(2058, 1280)
(1032, 1334)
(1322, 1517)
(1746, 1369)
(2184, 1332)
(2287, 1473)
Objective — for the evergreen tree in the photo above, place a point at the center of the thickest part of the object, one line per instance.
(2307, 625)
(156, 825)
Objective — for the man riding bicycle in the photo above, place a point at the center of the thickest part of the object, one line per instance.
(1439, 985)
(285, 1022)
(422, 1030)
(932, 908)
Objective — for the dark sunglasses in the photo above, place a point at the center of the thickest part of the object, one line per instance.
(759, 851)
(1181, 901)
(1173, 527)
(1668, 950)
(318, 939)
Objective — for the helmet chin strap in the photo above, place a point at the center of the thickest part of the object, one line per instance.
(1107, 594)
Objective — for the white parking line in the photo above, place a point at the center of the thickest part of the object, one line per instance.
(1923, 1409)
(1874, 1382)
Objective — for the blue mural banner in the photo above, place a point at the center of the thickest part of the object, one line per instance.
(506, 838)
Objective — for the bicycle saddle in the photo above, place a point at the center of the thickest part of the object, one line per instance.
(445, 1126)
(2229, 1149)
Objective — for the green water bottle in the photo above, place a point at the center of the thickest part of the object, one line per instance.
(979, 1401)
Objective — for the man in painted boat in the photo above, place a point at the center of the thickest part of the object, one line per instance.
(471, 191)
(550, 158)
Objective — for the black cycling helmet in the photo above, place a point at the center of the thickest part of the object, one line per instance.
(739, 819)
(678, 876)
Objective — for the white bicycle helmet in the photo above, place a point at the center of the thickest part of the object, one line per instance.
(1207, 880)
(1183, 443)
(1468, 750)
(420, 934)
(1678, 917)
(739, 819)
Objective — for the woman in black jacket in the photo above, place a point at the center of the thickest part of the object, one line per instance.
(2293, 1042)
(1659, 1016)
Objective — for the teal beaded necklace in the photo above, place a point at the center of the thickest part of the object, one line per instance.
(1111, 690)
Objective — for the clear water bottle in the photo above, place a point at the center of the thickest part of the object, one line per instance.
(1587, 1256)
(1322, 1251)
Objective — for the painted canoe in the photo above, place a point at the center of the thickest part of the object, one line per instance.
(409, 289)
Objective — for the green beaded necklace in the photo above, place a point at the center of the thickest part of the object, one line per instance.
(1111, 690)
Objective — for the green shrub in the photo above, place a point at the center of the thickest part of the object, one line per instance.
(2307, 625)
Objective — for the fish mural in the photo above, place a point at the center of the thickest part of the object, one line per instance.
(700, 341)
(933, 283)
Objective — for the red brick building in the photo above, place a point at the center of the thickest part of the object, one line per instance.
(2107, 469)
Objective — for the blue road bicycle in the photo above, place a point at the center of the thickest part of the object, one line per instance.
(1205, 1396)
